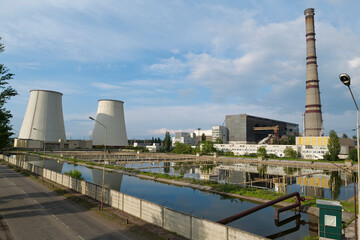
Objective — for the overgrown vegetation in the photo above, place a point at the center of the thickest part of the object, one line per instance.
(261, 151)
(290, 153)
(75, 174)
(353, 155)
(333, 146)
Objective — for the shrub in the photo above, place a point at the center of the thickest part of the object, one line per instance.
(261, 151)
(75, 174)
(290, 153)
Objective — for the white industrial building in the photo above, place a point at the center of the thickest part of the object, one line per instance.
(110, 114)
(245, 149)
(220, 132)
(44, 117)
(185, 138)
(307, 147)
(207, 133)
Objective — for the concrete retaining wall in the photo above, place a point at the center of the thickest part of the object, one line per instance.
(132, 205)
(152, 213)
(177, 222)
(171, 220)
(203, 229)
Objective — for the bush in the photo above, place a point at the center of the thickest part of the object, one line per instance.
(181, 148)
(75, 174)
(290, 153)
(261, 151)
(353, 155)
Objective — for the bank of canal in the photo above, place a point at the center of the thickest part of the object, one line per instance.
(191, 198)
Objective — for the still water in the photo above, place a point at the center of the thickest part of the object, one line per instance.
(197, 203)
(332, 185)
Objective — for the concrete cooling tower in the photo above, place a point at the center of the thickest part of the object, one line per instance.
(44, 117)
(313, 116)
(110, 113)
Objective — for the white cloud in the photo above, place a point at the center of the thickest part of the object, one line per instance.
(168, 66)
(105, 86)
(354, 63)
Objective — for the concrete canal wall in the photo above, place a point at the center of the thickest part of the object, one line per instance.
(181, 223)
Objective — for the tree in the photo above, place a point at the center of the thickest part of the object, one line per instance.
(261, 151)
(290, 153)
(207, 147)
(354, 137)
(6, 93)
(219, 141)
(181, 148)
(291, 140)
(345, 135)
(353, 155)
(203, 137)
(334, 146)
(167, 142)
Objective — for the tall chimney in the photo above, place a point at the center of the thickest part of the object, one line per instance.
(313, 115)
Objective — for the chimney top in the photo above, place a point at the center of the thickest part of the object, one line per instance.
(309, 12)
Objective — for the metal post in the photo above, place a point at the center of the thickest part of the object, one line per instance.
(44, 144)
(103, 177)
(358, 158)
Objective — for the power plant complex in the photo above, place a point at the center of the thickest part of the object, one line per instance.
(241, 134)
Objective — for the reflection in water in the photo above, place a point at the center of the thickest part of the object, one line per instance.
(295, 218)
(112, 180)
(335, 184)
(308, 181)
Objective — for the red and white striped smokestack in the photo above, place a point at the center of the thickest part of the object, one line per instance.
(313, 115)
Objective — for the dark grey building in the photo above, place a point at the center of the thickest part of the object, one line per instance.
(241, 128)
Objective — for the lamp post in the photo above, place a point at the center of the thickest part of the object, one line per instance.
(345, 79)
(103, 176)
(43, 163)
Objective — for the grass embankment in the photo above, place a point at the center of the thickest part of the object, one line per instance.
(220, 187)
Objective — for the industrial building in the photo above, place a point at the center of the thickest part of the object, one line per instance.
(244, 128)
(185, 137)
(30, 144)
(220, 132)
(199, 133)
(109, 127)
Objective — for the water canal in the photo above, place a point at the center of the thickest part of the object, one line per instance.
(215, 207)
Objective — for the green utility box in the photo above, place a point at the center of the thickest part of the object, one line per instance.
(330, 216)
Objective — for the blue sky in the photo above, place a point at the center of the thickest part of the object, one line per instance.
(180, 65)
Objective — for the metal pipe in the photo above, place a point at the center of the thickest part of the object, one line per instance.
(258, 207)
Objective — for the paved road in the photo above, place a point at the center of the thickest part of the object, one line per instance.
(31, 211)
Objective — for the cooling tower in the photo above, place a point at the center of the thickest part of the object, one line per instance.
(110, 113)
(313, 115)
(44, 117)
